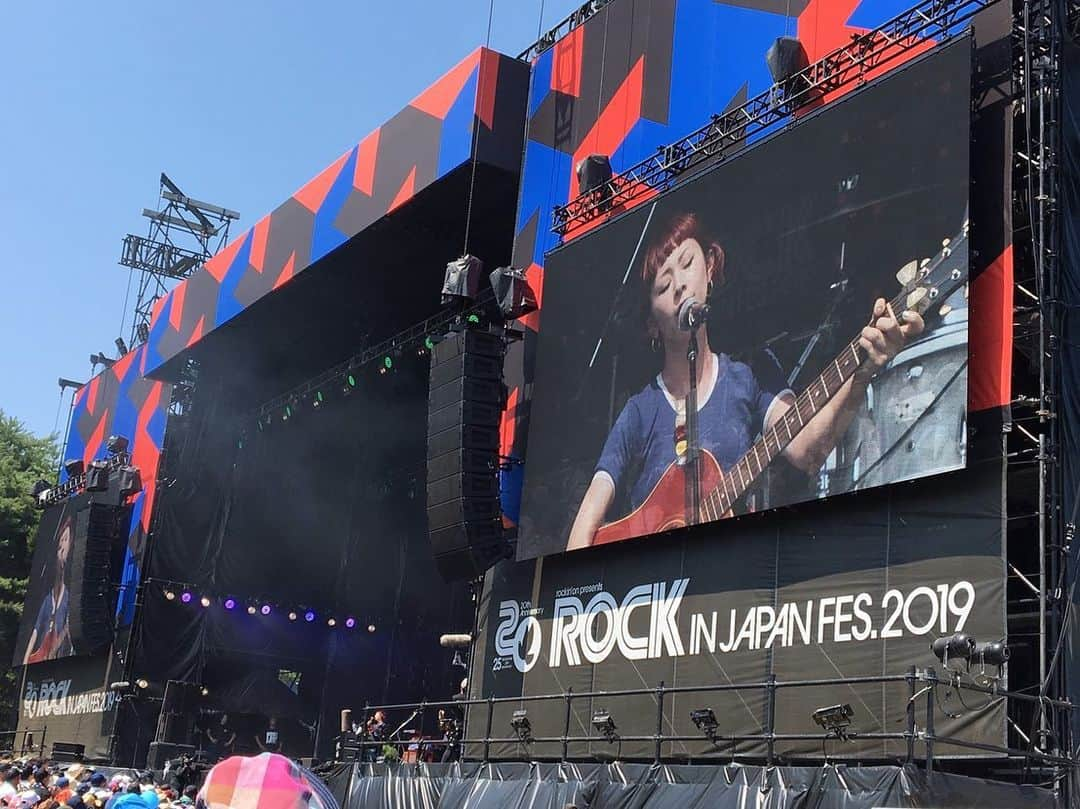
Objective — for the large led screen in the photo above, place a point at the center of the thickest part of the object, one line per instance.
(819, 279)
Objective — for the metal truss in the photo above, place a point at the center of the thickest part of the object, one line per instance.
(727, 132)
(183, 233)
(576, 18)
(77, 483)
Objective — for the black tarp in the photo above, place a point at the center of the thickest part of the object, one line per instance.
(621, 786)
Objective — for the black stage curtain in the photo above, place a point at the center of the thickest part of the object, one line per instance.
(621, 786)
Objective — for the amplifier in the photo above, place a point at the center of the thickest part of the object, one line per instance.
(68, 751)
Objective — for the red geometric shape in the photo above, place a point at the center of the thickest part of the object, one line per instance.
(566, 63)
(312, 195)
(990, 334)
(287, 271)
(508, 422)
(614, 123)
(220, 263)
(196, 335)
(366, 154)
(534, 274)
(91, 395)
(440, 97)
(121, 366)
(176, 308)
(93, 444)
(486, 86)
(144, 453)
(405, 193)
(259, 235)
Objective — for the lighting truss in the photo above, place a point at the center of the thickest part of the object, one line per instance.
(547, 40)
(76, 483)
(849, 64)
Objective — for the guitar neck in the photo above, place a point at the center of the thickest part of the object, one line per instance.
(773, 441)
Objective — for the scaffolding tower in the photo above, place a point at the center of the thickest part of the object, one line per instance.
(182, 234)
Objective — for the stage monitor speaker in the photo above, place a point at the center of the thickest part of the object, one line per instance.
(465, 406)
(97, 530)
(161, 753)
(68, 751)
(592, 172)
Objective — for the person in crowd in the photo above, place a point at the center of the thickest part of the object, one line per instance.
(270, 740)
(63, 789)
(9, 779)
(222, 738)
(376, 731)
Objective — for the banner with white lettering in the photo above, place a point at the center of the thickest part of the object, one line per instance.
(853, 588)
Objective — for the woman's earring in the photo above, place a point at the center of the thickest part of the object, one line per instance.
(655, 344)
(708, 290)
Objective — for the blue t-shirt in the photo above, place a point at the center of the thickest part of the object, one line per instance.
(641, 445)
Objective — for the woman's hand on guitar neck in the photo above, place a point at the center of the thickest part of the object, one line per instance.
(883, 337)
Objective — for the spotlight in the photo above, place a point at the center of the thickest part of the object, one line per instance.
(74, 467)
(331, 622)
(116, 444)
(251, 609)
(513, 295)
(317, 399)
(522, 727)
(371, 628)
(265, 609)
(97, 477)
(950, 647)
(170, 595)
(604, 725)
(461, 281)
(387, 362)
(205, 601)
(292, 615)
(705, 720)
(142, 332)
(834, 719)
(350, 623)
(994, 653)
(142, 683)
(286, 414)
(230, 603)
(186, 596)
(204, 691)
(309, 616)
(348, 384)
(121, 346)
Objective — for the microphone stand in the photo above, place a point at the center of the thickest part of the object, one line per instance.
(693, 467)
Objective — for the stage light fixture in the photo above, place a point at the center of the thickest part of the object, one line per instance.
(142, 332)
(265, 609)
(331, 622)
(102, 359)
(205, 601)
(230, 603)
(604, 725)
(170, 595)
(204, 691)
(461, 281)
(251, 610)
(350, 623)
(286, 413)
(142, 683)
(116, 444)
(186, 597)
(994, 653)
(474, 319)
(74, 467)
(121, 346)
(959, 646)
(371, 629)
(705, 720)
(834, 719)
(292, 615)
(317, 399)
(513, 295)
(309, 616)
(522, 727)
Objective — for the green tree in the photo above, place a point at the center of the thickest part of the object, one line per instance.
(24, 459)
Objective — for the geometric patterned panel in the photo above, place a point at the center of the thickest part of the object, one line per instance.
(121, 400)
(640, 74)
(481, 98)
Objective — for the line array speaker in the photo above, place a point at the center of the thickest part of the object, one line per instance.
(97, 528)
(465, 404)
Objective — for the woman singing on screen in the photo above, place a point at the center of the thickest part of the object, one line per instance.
(684, 262)
(51, 636)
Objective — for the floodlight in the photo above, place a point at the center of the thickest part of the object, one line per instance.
(121, 346)
(142, 332)
(605, 725)
(994, 653)
(205, 601)
(951, 647)
(835, 719)
(522, 727)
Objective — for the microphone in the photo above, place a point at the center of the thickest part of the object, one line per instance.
(692, 314)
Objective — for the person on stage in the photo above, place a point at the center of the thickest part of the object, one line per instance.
(51, 636)
(684, 261)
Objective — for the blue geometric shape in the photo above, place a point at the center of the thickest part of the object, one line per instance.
(324, 236)
(456, 137)
(228, 306)
(540, 83)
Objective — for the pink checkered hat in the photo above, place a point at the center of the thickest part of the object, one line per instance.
(265, 781)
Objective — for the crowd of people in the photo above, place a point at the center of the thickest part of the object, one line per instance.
(37, 784)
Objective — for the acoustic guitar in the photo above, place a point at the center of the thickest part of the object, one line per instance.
(926, 285)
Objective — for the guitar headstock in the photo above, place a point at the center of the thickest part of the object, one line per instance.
(929, 283)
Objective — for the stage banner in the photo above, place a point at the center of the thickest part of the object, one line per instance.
(852, 587)
(69, 701)
(819, 279)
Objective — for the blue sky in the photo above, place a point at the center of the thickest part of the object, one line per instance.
(239, 102)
